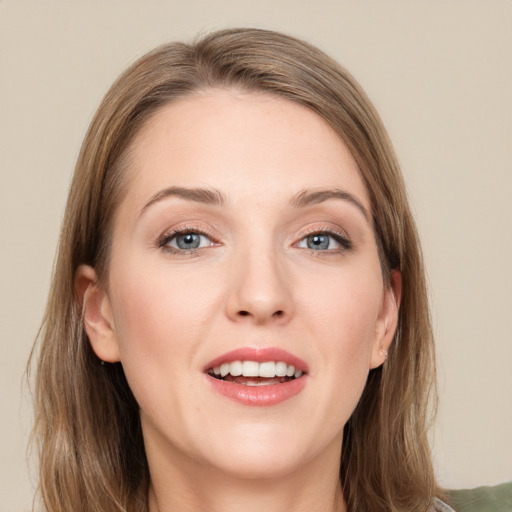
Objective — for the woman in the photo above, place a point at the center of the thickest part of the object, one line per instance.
(238, 316)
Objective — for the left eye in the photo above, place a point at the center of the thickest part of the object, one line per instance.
(187, 241)
(321, 242)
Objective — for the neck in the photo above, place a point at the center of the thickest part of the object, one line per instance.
(187, 486)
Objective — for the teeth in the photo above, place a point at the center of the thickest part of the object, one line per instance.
(281, 369)
(250, 369)
(267, 369)
(224, 369)
(254, 383)
(235, 368)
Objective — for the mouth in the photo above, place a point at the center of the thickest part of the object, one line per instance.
(257, 376)
(254, 373)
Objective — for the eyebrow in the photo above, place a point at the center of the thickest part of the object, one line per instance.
(215, 197)
(199, 195)
(310, 197)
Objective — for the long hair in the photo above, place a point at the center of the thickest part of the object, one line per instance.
(87, 421)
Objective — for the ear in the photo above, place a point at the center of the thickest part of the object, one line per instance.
(387, 321)
(96, 314)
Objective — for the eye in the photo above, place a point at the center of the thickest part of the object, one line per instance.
(323, 241)
(185, 241)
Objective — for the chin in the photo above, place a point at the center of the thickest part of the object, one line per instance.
(260, 466)
(261, 453)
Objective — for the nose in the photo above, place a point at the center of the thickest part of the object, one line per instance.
(260, 290)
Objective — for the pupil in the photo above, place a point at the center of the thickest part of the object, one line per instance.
(317, 242)
(188, 241)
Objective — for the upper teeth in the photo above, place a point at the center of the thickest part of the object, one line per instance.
(268, 369)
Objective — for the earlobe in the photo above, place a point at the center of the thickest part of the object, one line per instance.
(97, 314)
(388, 320)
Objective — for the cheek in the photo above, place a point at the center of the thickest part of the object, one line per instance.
(161, 315)
(343, 317)
(344, 307)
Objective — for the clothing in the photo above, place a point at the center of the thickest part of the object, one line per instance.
(497, 498)
(441, 506)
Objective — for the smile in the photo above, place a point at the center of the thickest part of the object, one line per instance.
(260, 377)
(252, 373)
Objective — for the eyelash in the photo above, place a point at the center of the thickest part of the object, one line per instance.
(167, 237)
(342, 239)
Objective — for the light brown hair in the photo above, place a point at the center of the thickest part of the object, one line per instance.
(87, 422)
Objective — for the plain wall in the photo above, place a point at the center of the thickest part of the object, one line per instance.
(440, 74)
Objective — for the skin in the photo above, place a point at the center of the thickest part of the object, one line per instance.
(254, 282)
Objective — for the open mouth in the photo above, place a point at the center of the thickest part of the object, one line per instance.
(252, 373)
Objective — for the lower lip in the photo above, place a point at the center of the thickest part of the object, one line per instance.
(259, 396)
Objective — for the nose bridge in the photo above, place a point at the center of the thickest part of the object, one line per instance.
(260, 288)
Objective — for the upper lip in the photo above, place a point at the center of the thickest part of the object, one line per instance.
(259, 355)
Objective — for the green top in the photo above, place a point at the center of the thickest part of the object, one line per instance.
(482, 499)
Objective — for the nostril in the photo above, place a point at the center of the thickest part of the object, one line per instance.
(276, 314)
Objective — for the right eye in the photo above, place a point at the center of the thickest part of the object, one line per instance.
(186, 241)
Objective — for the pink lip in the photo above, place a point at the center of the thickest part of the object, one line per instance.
(259, 355)
(261, 396)
(272, 394)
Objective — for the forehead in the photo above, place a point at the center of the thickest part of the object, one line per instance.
(245, 144)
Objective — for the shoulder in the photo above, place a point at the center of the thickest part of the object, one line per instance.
(497, 498)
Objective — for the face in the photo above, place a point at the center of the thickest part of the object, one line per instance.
(243, 247)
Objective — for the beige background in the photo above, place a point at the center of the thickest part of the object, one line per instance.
(439, 72)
